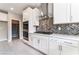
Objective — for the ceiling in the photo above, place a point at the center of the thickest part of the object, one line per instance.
(18, 7)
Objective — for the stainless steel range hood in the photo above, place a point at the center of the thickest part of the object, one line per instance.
(47, 9)
(44, 8)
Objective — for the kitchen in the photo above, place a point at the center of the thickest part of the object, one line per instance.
(49, 28)
(57, 31)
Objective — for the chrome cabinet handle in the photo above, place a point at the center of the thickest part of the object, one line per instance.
(53, 40)
(38, 41)
(60, 47)
(68, 42)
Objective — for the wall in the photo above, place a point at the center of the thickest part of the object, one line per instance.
(12, 16)
(45, 25)
(71, 29)
(3, 31)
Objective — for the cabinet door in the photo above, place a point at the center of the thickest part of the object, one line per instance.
(75, 12)
(35, 42)
(53, 47)
(30, 39)
(27, 14)
(44, 45)
(69, 50)
(60, 13)
(35, 16)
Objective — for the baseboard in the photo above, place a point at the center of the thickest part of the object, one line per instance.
(4, 40)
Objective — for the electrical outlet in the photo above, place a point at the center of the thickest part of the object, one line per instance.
(59, 28)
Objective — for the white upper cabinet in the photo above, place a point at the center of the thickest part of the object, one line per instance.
(35, 16)
(66, 13)
(3, 17)
(74, 12)
(61, 13)
(27, 14)
(32, 15)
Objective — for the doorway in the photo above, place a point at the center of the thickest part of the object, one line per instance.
(15, 29)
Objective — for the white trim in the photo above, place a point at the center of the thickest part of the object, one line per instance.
(3, 39)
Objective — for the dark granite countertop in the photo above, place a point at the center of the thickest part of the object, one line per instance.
(44, 32)
(61, 36)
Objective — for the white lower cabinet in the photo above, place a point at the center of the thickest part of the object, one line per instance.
(53, 47)
(58, 46)
(44, 44)
(69, 50)
(36, 42)
(40, 43)
(33, 40)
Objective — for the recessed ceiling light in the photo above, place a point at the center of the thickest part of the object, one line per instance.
(11, 8)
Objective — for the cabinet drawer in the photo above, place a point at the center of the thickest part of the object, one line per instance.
(54, 39)
(70, 43)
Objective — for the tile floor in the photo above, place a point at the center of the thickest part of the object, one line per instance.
(16, 47)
